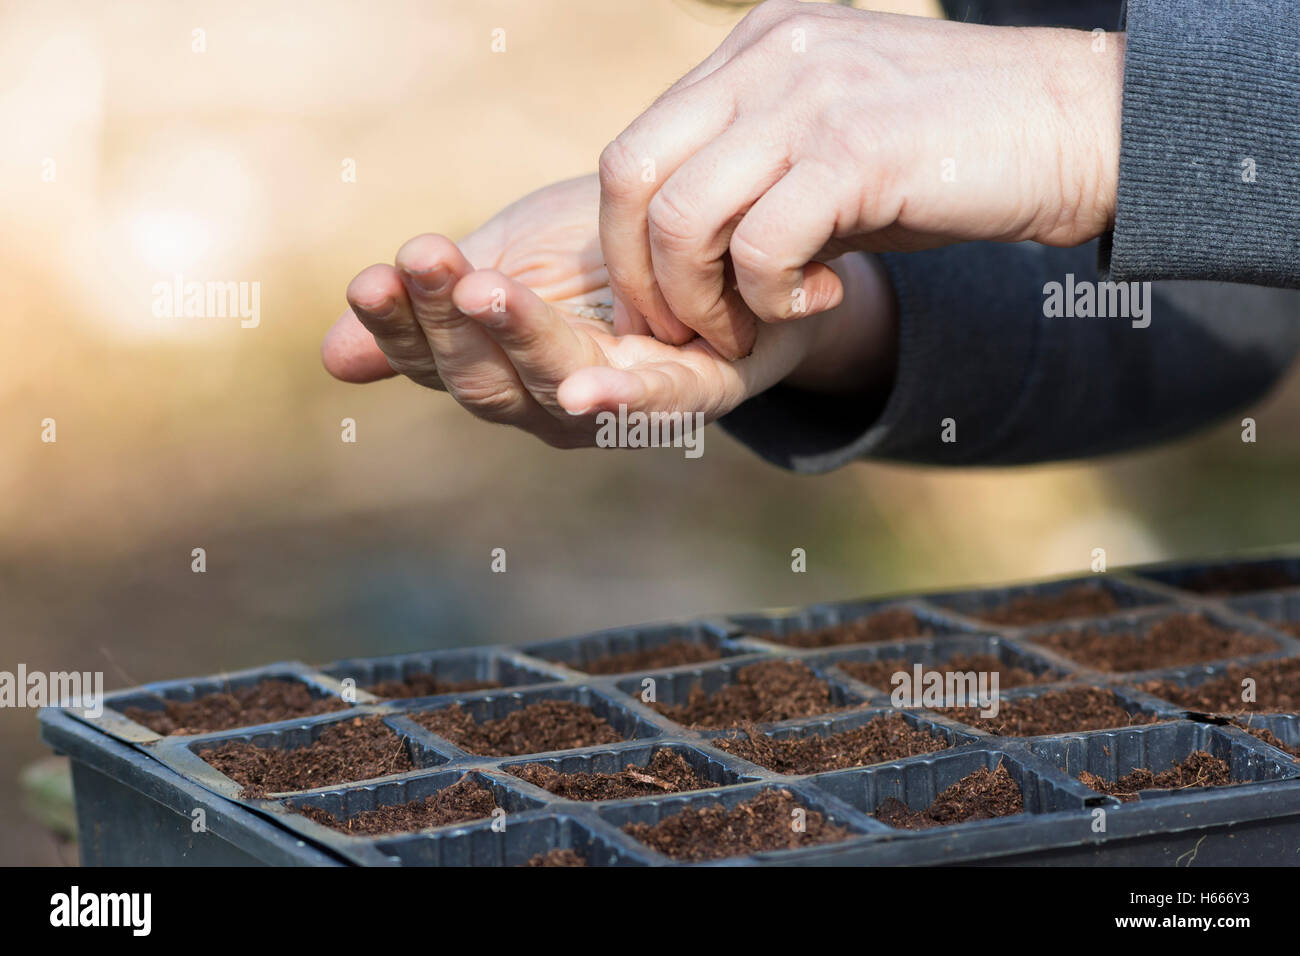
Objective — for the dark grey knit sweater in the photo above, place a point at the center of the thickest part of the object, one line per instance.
(1209, 190)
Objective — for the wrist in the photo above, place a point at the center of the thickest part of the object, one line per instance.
(1083, 76)
(853, 347)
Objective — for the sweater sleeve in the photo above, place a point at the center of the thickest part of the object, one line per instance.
(1209, 170)
(995, 368)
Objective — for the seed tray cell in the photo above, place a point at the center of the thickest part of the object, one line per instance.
(652, 810)
(578, 653)
(1220, 579)
(973, 604)
(673, 687)
(930, 653)
(1196, 675)
(1112, 754)
(597, 843)
(770, 627)
(487, 664)
(952, 733)
(715, 772)
(182, 753)
(1280, 611)
(154, 696)
(1132, 699)
(1285, 727)
(625, 716)
(916, 782)
(1141, 623)
(936, 725)
(136, 792)
(344, 803)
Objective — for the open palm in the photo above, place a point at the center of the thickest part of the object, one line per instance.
(515, 323)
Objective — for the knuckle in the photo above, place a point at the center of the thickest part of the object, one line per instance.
(529, 342)
(618, 172)
(405, 362)
(826, 89)
(421, 373)
(493, 401)
(411, 350)
(748, 252)
(778, 28)
(672, 222)
(805, 17)
(769, 12)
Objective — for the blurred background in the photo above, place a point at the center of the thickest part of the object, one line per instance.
(129, 156)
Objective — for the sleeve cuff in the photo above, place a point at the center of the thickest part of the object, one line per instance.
(1209, 174)
(941, 327)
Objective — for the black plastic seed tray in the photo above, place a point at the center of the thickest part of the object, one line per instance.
(141, 796)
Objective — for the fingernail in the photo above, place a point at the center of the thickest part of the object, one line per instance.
(435, 280)
(582, 411)
(388, 307)
(494, 318)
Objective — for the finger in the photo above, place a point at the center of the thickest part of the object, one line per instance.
(472, 367)
(629, 321)
(379, 302)
(350, 354)
(773, 247)
(660, 386)
(694, 378)
(430, 266)
(691, 219)
(631, 169)
(623, 229)
(540, 343)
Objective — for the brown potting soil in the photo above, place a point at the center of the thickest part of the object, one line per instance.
(667, 772)
(879, 674)
(427, 685)
(351, 750)
(1268, 737)
(544, 726)
(1055, 712)
(711, 833)
(557, 858)
(981, 795)
(464, 800)
(892, 624)
(886, 738)
(762, 693)
(260, 703)
(1277, 689)
(1171, 642)
(1082, 600)
(1198, 770)
(672, 654)
(1239, 580)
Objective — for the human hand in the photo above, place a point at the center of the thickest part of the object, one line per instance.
(818, 128)
(542, 360)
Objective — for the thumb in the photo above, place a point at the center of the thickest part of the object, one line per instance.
(350, 354)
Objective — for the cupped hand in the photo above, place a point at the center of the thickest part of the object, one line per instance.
(512, 323)
(816, 128)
